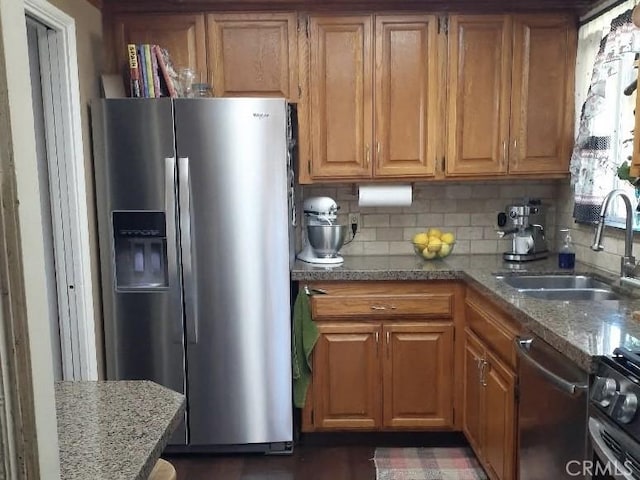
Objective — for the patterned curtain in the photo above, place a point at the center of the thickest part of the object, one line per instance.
(593, 165)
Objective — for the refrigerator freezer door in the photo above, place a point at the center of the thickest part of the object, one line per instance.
(239, 352)
(135, 170)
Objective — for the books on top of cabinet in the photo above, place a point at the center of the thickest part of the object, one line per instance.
(151, 72)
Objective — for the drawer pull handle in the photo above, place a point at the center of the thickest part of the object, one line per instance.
(378, 307)
(312, 291)
(392, 307)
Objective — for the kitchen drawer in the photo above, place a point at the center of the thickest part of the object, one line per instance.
(497, 329)
(382, 299)
(435, 305)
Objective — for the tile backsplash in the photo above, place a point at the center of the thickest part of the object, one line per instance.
(469, 210)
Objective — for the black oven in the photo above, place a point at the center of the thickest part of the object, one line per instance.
(613, 422)
(614, 454)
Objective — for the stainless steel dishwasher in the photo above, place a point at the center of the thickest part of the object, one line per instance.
(552, 412)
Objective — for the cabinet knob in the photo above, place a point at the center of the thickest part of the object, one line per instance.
(626, 407)
(604, 390)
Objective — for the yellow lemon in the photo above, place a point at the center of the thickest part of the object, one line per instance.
(434, 244)
(445, 250)
(428, 255)
(434, 232)
(420, 240)
(448, 238)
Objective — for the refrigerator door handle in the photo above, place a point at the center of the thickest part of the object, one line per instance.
(190, 295)
(172, 255)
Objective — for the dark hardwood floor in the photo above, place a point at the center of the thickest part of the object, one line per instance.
(316, 457)
(306, 463)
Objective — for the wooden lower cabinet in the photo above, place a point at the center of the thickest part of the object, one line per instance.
(499, 419)
(472, 399)
(346, 379)
(386, 358)
(378, 375)
(489, 420)
(417, 373)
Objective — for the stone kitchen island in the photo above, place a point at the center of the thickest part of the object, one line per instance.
(114, 430)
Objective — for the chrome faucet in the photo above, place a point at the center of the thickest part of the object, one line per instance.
(628, 262)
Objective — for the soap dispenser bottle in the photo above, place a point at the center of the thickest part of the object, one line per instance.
(566, 254)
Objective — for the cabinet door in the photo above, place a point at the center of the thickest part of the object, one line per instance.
(346, 376)
(406, 95)
(418, 375)
(182, 35)
(253, 54)
(479, 93)
(542, 97)
(499, 419)
(340, 86)
(472, 400)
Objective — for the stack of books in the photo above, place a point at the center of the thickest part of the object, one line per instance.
(151, 73)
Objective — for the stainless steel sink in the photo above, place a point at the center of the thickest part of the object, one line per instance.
(595, 294)
(553, 282)
(561, 287)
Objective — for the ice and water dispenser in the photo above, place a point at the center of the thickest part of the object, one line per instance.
(140, 245)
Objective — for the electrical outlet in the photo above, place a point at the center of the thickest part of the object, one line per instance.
(354, 218)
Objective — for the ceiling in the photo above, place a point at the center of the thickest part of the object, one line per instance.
(472, 6)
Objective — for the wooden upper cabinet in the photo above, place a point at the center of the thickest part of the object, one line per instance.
(346, 376)
(253, 54)
(544, 50)
(183, 35)
(340, 88)
(418, 375)
(510, 106)
(406, 93)
(479, 94)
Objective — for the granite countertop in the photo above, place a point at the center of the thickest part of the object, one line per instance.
(582, 330)
(114, 430)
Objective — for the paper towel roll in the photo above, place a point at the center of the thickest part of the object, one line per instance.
(385, 196)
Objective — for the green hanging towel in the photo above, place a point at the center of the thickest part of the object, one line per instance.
(305, 336)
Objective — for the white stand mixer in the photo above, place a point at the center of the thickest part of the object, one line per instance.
(321, 211)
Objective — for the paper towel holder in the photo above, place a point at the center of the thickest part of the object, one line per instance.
(386, 194)
(356, 186)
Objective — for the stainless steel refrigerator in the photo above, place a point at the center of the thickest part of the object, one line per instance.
(194, 214)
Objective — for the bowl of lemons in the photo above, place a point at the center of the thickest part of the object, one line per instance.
(433, 243)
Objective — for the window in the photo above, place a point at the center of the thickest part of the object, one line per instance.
(607, 83)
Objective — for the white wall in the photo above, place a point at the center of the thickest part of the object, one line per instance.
(90, 50)
(13, 31)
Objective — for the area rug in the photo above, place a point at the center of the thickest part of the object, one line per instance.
(455, 463)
